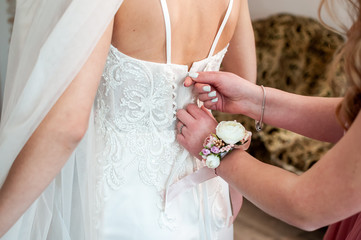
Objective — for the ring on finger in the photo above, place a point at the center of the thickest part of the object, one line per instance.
(180, 129)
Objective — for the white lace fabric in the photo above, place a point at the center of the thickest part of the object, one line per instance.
(137, 156)
(135, 110)
(135, 121)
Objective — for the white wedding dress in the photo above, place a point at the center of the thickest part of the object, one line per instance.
(135, 123)
(119, 180)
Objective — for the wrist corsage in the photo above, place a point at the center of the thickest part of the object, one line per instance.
(229, 135)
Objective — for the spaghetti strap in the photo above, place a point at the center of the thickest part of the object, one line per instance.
(168, 31)
(220, 30)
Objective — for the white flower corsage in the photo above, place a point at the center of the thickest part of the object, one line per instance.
(229, 135)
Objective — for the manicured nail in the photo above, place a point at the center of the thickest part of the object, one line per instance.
(214, 100)
(193, 75)
(207, 88)
(212, 94)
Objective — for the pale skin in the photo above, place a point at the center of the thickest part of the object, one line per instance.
(325, 194)
(193, 32)
(48, 149)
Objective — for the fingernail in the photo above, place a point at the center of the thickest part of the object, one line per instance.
(215, 100)
(212, 94)
(193, 75)
(207, 88)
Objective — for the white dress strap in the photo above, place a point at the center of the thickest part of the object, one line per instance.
(220, 30)
(168, 31)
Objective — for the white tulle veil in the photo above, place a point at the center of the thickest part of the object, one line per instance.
(51, 41)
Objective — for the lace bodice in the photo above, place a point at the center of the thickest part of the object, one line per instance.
(135, 111)
(146, 95)
(135, 119)
(140, 97)
(143, 94)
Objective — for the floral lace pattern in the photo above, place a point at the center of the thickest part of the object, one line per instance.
(135, 117)
(135, 101)
(144, 100)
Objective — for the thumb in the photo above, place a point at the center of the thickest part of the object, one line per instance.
(188, 82)
(207, 111)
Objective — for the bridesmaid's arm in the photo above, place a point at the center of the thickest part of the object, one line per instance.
(52, 143)
(313, 117)
(325, 194)
(241, 55)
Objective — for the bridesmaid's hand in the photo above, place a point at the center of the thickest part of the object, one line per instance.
(194, 125)
(225, 92)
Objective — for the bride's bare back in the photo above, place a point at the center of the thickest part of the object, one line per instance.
(139, 29)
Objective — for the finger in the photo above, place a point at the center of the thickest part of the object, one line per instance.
(207, 111)
(204, 97)
(200, 88)
(212, 99)
(184, 131)
(179, 126)
(208, 96)
(210, 105)
(194, 110)
(188, 82)
(184, 116)
(181, 139)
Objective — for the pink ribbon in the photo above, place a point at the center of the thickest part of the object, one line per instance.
(189, 181)
(203, 175)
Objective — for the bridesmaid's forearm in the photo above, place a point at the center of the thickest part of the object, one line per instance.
(314, 117)
(268, 187)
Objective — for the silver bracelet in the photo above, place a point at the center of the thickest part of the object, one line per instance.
(259, 124)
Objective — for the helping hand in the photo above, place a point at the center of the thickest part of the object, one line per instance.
(193, 127)
(225, 92)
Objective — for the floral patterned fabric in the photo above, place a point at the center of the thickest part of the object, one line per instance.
(135, 120)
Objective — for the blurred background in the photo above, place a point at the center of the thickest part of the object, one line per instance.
(294, 53)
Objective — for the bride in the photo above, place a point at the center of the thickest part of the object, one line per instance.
(87, 135)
